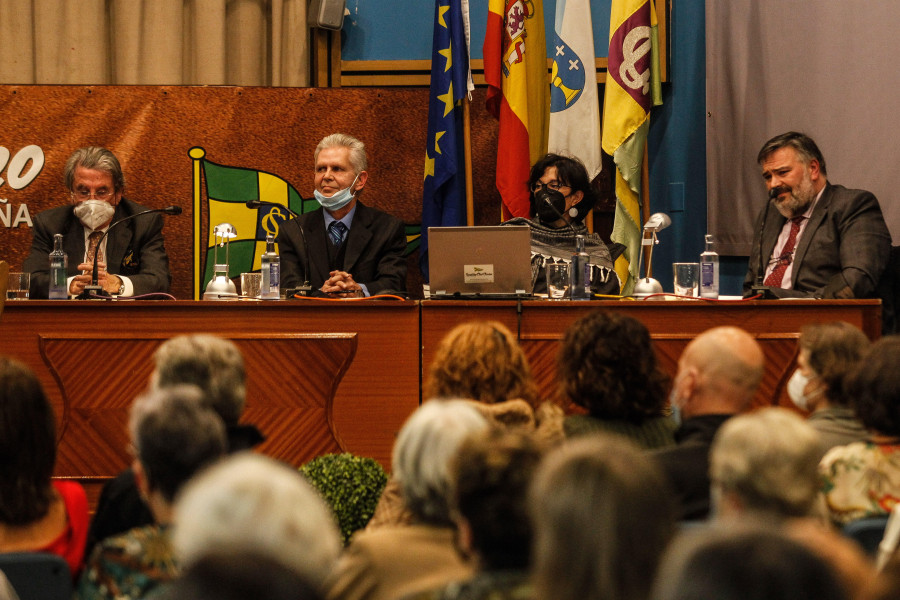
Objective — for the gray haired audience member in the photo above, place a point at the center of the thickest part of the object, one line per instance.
(764, 469)
(174, 436)
(252, 504)
(708, 564)
(602, 518)
(216, 366)
(394, 561)
(491, 474)
(245, 576)
(764, 464)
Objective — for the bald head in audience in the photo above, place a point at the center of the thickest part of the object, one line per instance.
(718, 373)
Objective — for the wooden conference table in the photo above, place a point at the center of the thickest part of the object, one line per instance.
(336, 376)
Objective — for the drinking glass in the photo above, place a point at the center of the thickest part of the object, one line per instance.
(557, 280)
(687, 278)
(17, 288)
(250, 284)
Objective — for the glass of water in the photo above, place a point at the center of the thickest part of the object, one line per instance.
(557, 280)
(18, 284)
(687, 278)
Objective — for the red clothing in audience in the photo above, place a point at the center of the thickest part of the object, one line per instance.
(70, 543)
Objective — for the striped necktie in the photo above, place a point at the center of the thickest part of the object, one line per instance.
(337, 231)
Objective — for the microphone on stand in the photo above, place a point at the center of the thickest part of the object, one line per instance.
(305, 289)
(94, 290)
(759, 288)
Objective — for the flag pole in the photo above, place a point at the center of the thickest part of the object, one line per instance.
(467, 151)
(645, 203)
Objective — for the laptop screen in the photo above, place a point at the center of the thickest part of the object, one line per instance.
(479, 260)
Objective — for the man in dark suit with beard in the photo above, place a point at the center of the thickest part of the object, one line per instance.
(132, 258)
(823, 240)
(353, 250)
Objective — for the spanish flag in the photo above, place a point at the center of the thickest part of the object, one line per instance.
(515, 69)
(632, 88)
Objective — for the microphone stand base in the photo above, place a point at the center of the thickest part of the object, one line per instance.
(92, 292)
(303, 290)
(763, 291)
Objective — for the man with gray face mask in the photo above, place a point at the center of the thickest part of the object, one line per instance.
(132, 258)
(350, 249)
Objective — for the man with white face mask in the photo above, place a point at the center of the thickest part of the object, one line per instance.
(353, 250)
(718, 374)
(133, 259)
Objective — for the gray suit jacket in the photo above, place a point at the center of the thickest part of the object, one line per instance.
(134, 249)
(843, 251)
(374, 251)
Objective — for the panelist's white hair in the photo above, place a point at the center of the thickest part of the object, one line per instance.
(252, 504)
(425, 448)
(358, 159)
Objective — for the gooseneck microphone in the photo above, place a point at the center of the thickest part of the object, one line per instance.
(94, 290)
(304, 289)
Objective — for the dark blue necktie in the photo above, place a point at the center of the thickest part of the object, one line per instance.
(337, 231)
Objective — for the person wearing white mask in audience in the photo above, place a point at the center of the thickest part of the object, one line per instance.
(132, 259)
(350, 249)
(828, 351)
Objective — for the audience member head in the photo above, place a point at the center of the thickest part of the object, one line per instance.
(828, 351)
(27, 445)
(765, 464)
(602, 518)
(480, 360)
(424, 452)
(233, 576)
(491, 475)
(718, 373)
(874, 387)
(569, 178)
(248, 503)
(607, 365)
(174, 436)
(95, 158)
(213, 364)
(742, 564)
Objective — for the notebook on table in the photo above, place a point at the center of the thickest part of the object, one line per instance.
(479, 262)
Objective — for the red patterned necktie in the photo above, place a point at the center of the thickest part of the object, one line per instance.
(93, 249)
(787, 255)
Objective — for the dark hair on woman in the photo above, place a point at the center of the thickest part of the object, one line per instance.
(834, 349)
(607, 365)
(744, 565)
(27, 445)
(570, 172)
(874, 386)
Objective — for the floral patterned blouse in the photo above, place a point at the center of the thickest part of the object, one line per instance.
(861, 480)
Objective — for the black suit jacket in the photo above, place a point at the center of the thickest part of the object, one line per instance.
(134, 249)
(842, 253)
(374, 251)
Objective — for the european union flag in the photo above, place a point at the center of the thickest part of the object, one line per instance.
(444, 199)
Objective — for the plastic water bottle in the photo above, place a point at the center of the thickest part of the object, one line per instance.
(580, 272)
(58, 265)
(271, 272)
(709, 271)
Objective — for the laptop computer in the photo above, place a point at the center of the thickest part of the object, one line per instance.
(479, 262)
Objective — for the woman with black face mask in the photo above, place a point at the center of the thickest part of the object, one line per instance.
(561, 197)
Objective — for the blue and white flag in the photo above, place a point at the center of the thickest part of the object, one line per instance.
(574, 108)
(444, 196)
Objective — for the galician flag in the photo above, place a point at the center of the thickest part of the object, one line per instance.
(574, 107)
(444, 196)
(515, 68)
(632, 88)
(227, 189)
